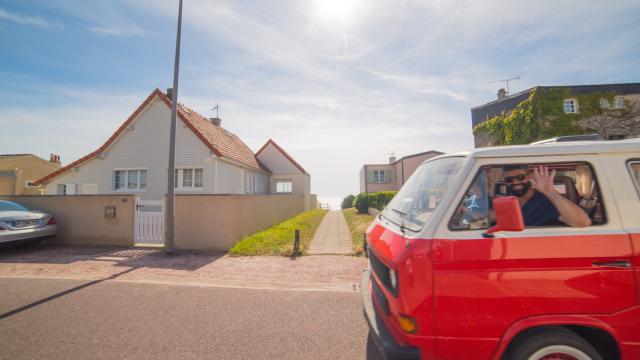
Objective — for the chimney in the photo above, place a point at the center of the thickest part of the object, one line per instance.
(215, 121)
(54, 158)
(392, 159)
(502, 94)
(170, 93)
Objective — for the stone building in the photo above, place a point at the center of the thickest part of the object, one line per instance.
(610, 110)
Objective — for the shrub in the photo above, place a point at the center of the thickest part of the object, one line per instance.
(347, 202)
(361, 203)
(380, 199)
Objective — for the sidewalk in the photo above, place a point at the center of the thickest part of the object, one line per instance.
(306, 273)
(332, 237)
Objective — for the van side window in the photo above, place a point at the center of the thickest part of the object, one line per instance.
(574, 181)
(634, 167)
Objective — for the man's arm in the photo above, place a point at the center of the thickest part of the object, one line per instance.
(570, 213)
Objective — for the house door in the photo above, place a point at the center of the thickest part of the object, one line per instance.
(149, 222)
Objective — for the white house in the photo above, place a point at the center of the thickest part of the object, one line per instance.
(209, 160)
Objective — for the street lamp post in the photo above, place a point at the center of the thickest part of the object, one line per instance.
(168, 244)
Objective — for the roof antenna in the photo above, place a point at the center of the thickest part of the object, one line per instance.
(507, 81)
(216, 108)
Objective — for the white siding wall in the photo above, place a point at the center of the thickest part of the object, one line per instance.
(273, 159)
(146, 146)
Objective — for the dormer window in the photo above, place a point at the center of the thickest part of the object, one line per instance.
(570, 106)
(604, 103)
(619, 102)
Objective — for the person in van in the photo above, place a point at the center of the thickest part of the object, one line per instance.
(541, 204)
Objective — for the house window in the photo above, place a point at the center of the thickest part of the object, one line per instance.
(570, 106)
(284, 186)
(604, 103)
(130, 179)
(66, 189)
(619, 102)
(381, 176)
(188, 179)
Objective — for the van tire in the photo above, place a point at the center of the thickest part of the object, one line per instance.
(546, 341)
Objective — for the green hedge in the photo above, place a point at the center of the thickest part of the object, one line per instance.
(347, 202)
(361, 203)
(380, 199)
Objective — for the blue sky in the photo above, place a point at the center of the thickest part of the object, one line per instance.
(337, 83)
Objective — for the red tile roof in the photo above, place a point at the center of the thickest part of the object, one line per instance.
(220, 141)
(295, 163)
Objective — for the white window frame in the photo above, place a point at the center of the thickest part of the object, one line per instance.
(604, 103)
(179, 184)
(619, 102)
(574, 106)
(379, 176)
(284, 181)
(126, 187)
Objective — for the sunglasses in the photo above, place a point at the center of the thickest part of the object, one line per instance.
(510, 179)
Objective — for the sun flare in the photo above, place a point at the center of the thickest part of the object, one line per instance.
(335, 9)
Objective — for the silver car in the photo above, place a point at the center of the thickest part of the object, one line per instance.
(21, 225)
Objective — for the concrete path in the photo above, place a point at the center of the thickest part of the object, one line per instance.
(332, 237)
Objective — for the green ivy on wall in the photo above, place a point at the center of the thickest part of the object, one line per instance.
(542, 116)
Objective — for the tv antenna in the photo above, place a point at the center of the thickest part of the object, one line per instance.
(216, 108)
(507, 81)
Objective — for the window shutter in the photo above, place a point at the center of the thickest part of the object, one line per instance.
(387, 176)
(370, 177)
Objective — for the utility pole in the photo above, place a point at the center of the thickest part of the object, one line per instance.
(168, 244)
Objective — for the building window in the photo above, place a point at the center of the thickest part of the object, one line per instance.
(619, 102)
(284, 186)
(188, 179)
(381, 176)
(132, 179)
(604, 103)
(570, 106)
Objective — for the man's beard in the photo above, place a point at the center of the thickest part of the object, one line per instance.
(519, 192)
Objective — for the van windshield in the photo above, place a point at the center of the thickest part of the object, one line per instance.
(422, 193)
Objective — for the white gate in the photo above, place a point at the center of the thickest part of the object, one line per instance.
(148, 227)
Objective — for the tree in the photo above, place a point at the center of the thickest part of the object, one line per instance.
(347, 202)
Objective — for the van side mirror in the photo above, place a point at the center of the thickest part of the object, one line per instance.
(508, 216)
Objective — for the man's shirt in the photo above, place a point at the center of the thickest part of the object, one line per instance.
(539, 211)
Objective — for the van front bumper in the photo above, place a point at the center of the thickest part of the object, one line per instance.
(377, 329)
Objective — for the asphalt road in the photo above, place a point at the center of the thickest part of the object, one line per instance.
(72, 319)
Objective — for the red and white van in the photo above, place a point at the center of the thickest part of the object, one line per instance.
(444, 284)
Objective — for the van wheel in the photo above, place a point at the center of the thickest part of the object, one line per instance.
(552, 344)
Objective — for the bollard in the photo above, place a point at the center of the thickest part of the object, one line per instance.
(296, 243)
(364, 245)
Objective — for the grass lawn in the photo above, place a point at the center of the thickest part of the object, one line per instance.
(358, 224)
(278, 239)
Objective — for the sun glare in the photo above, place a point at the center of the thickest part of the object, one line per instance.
(334, 9)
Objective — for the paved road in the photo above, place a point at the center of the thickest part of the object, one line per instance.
(80, 319)
(332, 236)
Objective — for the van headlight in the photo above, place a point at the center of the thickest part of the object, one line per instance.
(393, 280)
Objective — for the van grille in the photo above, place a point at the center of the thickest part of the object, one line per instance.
(381, 270)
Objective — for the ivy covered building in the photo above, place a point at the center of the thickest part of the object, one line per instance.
(542, 112)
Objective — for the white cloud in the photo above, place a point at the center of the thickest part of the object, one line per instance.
(27, 20)
(112, 30)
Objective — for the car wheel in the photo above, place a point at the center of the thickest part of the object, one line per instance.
(552, 344)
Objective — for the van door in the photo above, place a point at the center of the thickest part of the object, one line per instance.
(483, 286)
(632, 224)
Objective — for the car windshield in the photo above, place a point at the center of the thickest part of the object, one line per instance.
(423, 192)
(11, 206)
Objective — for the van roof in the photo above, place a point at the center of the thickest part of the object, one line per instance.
(558, 148)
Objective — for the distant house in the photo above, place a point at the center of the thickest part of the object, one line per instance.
(19, 171)
(391, 176)
(611, 110)
(209, 159)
